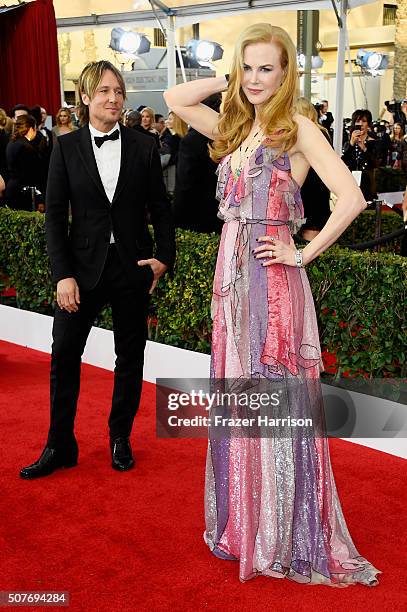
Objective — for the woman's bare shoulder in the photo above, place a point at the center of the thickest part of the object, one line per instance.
(308, 132)
(304, 124)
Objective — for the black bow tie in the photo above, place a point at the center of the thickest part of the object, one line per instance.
(99, 140)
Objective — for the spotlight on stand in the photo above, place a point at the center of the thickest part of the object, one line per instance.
(129, 42)
(201, 53)
(316, 61)
(372, 61)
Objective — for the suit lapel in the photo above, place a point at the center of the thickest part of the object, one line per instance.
(89, 161)
(126, 155)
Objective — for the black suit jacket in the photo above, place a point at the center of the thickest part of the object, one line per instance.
(25, 168)
(74, 180)
(195, 205)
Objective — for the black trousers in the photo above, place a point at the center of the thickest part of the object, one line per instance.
(129, 304)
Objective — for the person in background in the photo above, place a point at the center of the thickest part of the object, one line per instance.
(170, 141)
(314, 193)
(6, 123)
(404, 112)
(159, 123)
(175, 129)
(147, 122)
(25, 167)
(63, 123)
(166, 133)
(18, 110)
(41, 141)
(46, 132)
(325, 117)
(398, 145)
(148, 119)
(75, 116)
(362, 151)
(8, 128)
(4, 140)
(133, 121)
(195, 205)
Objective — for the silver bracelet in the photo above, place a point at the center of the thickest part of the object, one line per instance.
(298, 259)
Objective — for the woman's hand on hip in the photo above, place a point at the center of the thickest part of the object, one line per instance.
(272, 251)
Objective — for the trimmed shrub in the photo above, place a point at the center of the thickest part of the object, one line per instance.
(360, 297)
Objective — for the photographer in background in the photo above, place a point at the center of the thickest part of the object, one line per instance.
(363, 151)
(325, 117)
(398, 110)
(382, 132)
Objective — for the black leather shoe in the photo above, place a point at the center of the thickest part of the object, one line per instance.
(122, 457)
(51, 459)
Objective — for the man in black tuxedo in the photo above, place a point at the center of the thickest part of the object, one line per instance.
(110, 176)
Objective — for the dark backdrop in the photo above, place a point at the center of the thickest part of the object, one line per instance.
(29, 72)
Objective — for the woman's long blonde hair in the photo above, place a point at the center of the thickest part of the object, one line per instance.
(179, 126)
(304, 107)
(58, 117)
(276, 114)
(393, 135)
(151, 113)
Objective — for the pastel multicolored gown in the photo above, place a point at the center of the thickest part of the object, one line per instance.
(270, 503)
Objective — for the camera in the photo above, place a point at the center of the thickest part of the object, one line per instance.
(379, 128)
(394, 107)
(357, 126)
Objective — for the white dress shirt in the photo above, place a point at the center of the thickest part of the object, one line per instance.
(108, 158)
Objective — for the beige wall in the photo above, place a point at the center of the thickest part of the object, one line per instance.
(78, 47)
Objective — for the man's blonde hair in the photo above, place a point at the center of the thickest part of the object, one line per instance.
(89, 80)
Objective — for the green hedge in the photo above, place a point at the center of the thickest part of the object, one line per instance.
(360, 297)
(23, 258)
(363, 229)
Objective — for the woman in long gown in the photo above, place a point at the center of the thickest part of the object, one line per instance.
(271, 501)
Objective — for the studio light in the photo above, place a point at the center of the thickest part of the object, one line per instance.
(129, 42)
(203, 51)
(316, 61)
(372, 61)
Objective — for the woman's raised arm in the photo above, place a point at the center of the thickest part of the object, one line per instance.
(185, 100)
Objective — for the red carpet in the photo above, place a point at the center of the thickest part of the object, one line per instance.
(133, 541)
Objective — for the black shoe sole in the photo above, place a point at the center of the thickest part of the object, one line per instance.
(60, 467)
(122, 468)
